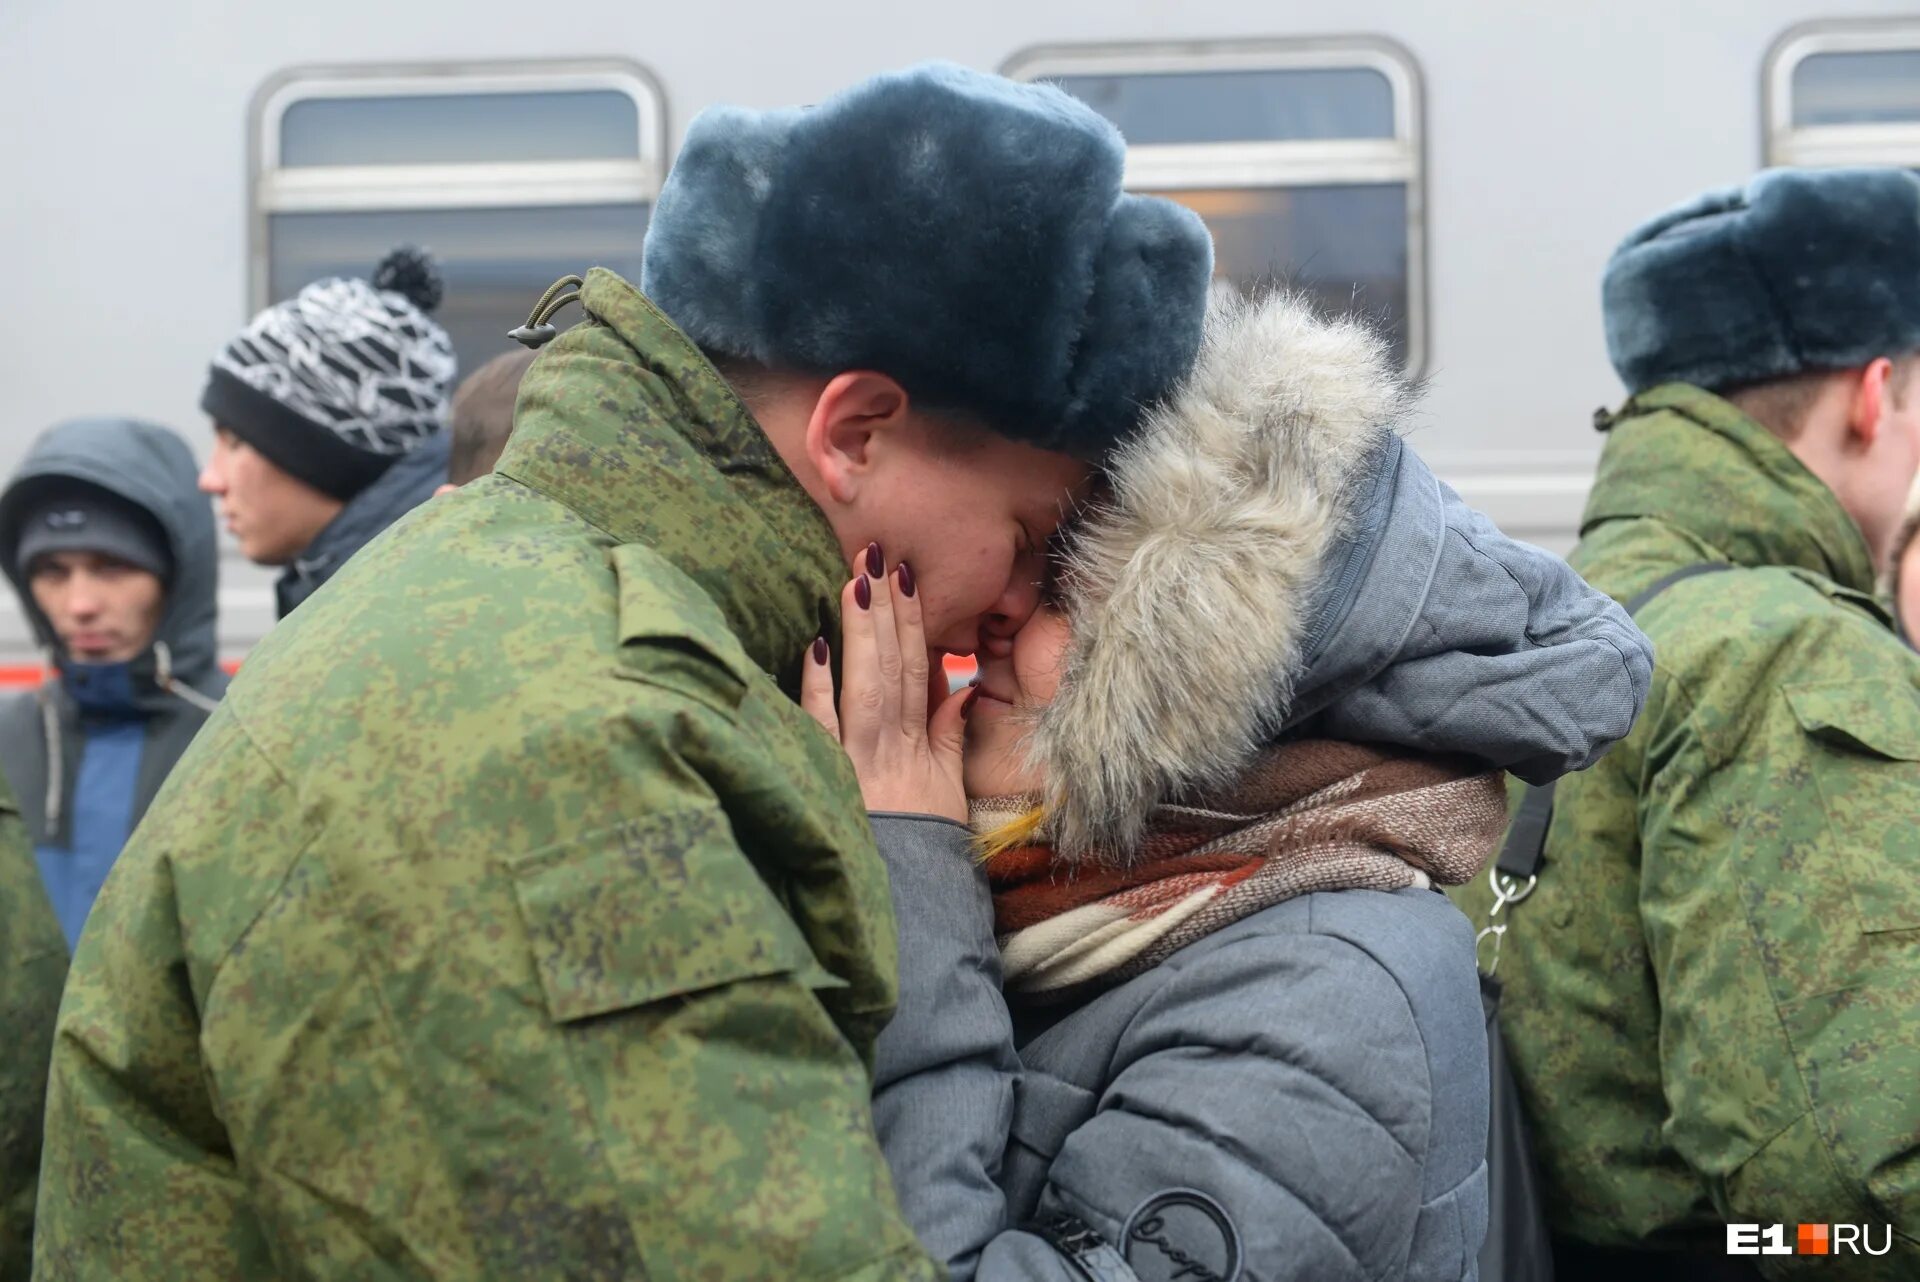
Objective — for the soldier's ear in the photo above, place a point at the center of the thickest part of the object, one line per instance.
(857, 416)
(1870, 402)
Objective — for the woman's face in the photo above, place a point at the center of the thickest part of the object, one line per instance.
(1017, 677)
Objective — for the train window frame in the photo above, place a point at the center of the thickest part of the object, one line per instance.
(1824, 146)
(422, 185)
(1274, 164)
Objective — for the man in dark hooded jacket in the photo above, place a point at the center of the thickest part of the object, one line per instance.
(112, 552)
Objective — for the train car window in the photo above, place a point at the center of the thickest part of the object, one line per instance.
(1303, 156)
(1241, 106)
(513, 175)
(1844, 94)
(461, 128)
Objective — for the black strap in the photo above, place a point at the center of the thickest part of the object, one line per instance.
(1680, 575)
(1527, 834)
(1526, 842)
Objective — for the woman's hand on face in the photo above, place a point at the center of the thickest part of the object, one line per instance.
(904, 759)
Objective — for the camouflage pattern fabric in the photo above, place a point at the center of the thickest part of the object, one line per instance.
(33, 965)
(1713, 995)
(509, 920)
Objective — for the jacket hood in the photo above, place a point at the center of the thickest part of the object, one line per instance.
(152, 467)
(1273, 560)
(408, 483)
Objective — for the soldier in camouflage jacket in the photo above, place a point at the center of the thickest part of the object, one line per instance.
(1713, 992)
(33, 964)
(511, 920)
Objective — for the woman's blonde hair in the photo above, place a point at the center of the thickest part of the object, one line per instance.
(1022, 830)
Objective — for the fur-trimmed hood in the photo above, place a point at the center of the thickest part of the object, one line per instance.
(1274, 560)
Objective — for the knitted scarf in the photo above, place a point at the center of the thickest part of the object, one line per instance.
(1308, 816)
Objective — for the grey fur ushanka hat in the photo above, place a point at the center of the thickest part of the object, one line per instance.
(963, 233)
(1801, 269)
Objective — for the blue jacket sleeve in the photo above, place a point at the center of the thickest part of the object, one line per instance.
(944, 1068)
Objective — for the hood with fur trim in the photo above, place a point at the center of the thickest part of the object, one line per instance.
(1274, 561)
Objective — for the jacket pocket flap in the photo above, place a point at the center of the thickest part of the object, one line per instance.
(660, 604)
(1046, 1110)
(1876, 716)
(656, 907)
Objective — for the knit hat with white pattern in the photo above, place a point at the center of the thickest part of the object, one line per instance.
(337, 382)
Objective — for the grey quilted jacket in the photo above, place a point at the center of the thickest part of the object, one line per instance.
(1302, 1094)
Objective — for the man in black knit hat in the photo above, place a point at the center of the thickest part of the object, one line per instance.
(327, 416)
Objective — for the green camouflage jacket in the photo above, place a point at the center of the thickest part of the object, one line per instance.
(33, 964)
(509, 920)
(1713, 994)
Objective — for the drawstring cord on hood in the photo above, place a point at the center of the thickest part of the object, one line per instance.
(163, 677)
(50, 726)
(539, 331)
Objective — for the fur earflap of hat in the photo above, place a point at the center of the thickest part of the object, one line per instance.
(335, 383)
(1798, 270)
(961, 232)
(1191, 591)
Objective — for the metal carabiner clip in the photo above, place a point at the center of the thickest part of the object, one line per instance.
(1507, 891)
(1496, 930)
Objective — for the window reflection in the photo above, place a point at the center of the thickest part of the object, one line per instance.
(1344, 246)
(599, 124)
(495, 261)
(1857, 88)
(1294, 104)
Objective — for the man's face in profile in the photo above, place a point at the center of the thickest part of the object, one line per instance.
(973, 520)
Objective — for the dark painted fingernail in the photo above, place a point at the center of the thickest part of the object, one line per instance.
(906, 579)
(820, 651)
(966, 708)
(876, 564)
(862, 592)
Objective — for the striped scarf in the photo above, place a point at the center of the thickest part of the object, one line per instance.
(1308, 816)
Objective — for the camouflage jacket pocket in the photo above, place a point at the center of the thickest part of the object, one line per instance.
(1866, 763)
(654, 908)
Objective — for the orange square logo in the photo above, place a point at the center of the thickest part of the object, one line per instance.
(1813, 1239)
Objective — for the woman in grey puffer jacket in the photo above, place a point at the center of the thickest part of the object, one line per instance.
(1201, 1011)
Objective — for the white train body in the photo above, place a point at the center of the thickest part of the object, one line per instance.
(1461, 170)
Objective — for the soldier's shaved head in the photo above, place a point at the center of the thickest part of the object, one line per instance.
(1782, 405)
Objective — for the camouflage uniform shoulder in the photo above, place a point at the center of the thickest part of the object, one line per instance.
(33, 966)
(672, 633)
(1729, 644)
